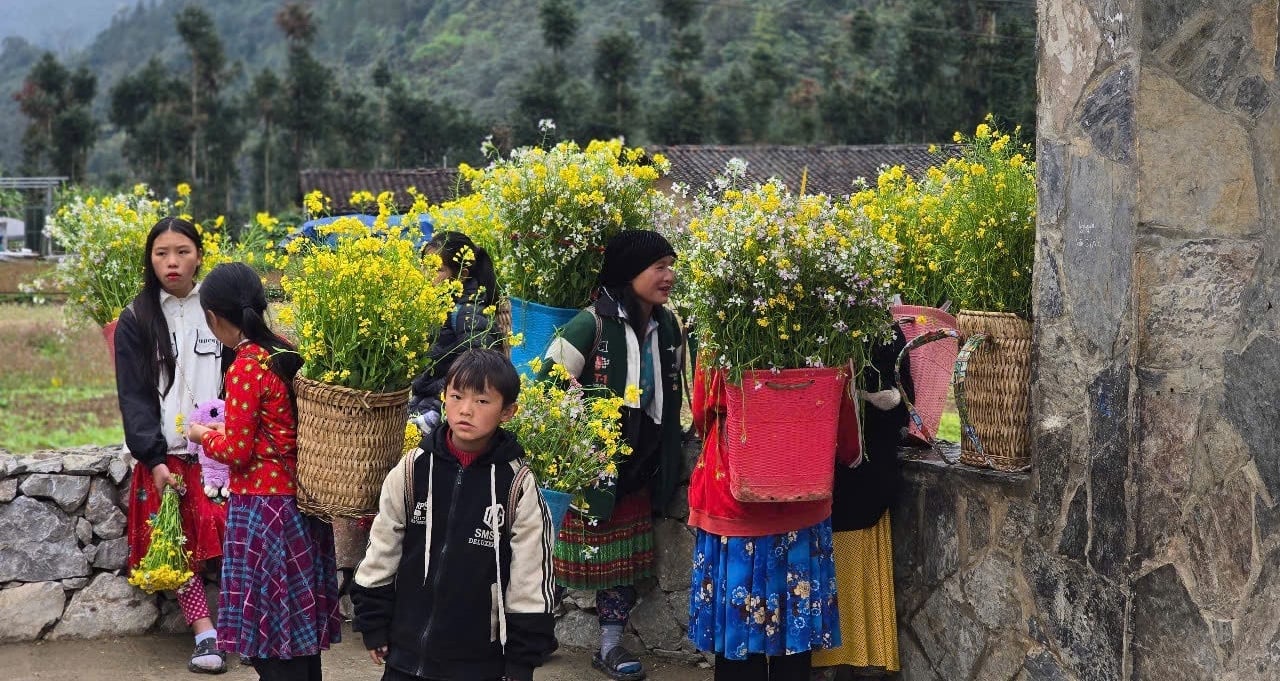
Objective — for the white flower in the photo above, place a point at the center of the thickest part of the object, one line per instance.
(546, 125)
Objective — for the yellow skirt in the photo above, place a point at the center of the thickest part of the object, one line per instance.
(864, 591)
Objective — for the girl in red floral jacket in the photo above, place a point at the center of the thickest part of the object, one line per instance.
(278, 605)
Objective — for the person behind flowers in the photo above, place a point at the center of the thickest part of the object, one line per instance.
(168, 361)
(469, 326)
(625, 340)
(456, 583)
(860, 519)
(763, 592)
(278, 605)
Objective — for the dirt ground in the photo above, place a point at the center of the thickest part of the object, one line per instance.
(164, 658)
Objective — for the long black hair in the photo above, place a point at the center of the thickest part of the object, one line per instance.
(477, 266)
(152, 327)
(234, 292)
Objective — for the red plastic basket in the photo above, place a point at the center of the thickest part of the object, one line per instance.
(931, 365)
(780, 434)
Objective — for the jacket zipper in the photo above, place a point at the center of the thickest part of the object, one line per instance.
(435, 583)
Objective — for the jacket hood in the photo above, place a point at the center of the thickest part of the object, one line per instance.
(502, 448)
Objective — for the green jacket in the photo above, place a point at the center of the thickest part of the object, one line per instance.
(614, 361)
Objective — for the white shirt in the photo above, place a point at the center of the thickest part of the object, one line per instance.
(198, 354)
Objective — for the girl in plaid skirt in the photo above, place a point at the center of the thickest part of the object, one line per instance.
(278, 605)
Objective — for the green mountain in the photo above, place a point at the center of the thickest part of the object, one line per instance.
(781, 71)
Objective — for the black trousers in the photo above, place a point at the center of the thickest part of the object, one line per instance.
(306, 668)
(397, 675)
(765, 668)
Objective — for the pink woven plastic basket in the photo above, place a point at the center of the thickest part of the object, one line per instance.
(780, 434)
(931, 364)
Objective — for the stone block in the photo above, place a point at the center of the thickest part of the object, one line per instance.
(679, 601)
(578, 629)
(118, 469)
(948, 635)
(938, 536)
(26, 610)
(1068, 44)
(581, 599)
(915, 663)
(112, 554)
(655, 623)
(109, 606)
(1252, 375)
(74, 584)
(1075, 530)
(1198, 284)
(1195, 188)
(67, 491)
(114, 526)
(1083, 614)
(8, 463)
(84, 531)
(1107, 115)
(1041, 665)
(673, 554)
(1219, 538)
(1003, 660)
(41, 462)
(8, 490)
(1108, 468)
(977, 519)
(40, 543)
(991, 588)
(1098, 244)
(1170, 637)
(171, 619)
(86, 464)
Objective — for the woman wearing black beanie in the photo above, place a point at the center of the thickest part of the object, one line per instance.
(625, 339)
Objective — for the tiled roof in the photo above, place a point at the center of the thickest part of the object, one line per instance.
(437, 184)
(832, 169)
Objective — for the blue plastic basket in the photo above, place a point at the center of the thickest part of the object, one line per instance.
(557, 503)
(539, 324)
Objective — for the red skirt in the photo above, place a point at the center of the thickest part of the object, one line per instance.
(616, 552)
(203, 521)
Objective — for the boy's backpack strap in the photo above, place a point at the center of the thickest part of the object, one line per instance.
(516, 491)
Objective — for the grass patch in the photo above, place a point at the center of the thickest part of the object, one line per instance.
(57, 388)
(949, 427)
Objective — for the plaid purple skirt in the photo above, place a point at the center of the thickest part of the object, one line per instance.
(279, 595)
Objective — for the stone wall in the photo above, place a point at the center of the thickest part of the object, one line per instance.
(1152, 514)
(63, 550)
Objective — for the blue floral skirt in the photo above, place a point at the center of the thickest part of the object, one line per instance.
(774, 595)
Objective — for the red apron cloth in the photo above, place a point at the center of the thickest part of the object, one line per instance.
(203, 521)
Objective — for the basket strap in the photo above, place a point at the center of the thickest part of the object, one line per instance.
(919, 341)
(962, 402)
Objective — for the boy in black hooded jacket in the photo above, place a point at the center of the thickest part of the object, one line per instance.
(457, 580)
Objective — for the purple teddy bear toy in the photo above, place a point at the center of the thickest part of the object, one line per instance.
(215, 473)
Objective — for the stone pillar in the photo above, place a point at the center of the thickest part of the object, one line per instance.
(1156, 432)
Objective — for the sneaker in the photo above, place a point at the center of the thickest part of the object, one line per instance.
(205, 650)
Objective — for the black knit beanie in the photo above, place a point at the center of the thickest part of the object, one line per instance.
(629, 253)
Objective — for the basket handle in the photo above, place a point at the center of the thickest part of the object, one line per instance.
(797, 385)
(962, 402)
(919, 341)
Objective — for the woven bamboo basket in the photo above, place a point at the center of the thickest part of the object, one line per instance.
(503, 323)
(993, 390)
(347, 442)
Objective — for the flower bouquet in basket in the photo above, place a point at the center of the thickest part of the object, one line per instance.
(552, 212)
(572, 438)
(104, 237)
(785, 292)
(166, 566)
(364, 311)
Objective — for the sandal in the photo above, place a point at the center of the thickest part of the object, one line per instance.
(206, 648)
(617, 658)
